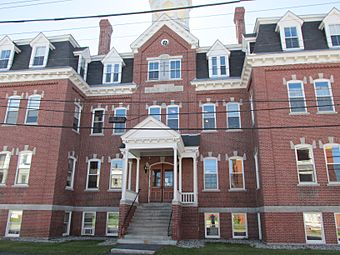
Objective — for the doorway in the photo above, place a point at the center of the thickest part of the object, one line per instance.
(161, 183)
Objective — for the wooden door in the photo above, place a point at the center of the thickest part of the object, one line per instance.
(161, 183)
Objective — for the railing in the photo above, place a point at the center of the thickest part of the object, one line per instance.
(187, 197)
(169, 225)
(122, 232)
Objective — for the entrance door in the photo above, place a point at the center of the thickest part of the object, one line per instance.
(161, 183)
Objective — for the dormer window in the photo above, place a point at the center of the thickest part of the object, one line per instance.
(331, 26)
(7, 51)
(112, 73)
(40, 50)
(334, 31)
(4, 59)
(218, 56)
(219, 66)
(39, 56)
(291, 38)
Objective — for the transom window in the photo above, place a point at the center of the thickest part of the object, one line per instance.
(155, 111)
(239, 224)
(39, 56)
(98, 121)
(112, 73)
(218, 66)
(67, 223)
(212, 225)
(33, 106)
(313, 228)
(291, 37)
(334, 31)
(70, 172)
(89, 223)
(305, 164)
(76, 117)
(233, 116)
(120, 128)
(164, 69)
(116, 174)
(209, 116)
(332, 153)
(210, 174)
(4, 58)
(172, 113)
(24, 166)
(236, 173)
(296, 96)
(93, 174)
(12, 110)
(324, 97)
(14, 223)
(112, 222)
(4, 165)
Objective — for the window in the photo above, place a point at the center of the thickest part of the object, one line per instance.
(82, 69)
(305, 164)
(337, 223)
(324, 97)
(93, 174)
(212, 225)
(236, 173)
(39, 56)
(98, 121)
(168, 178)
(153, 71)
(89, 223)
(70, 172)
(4, 165)
(332, 154)
(112, 73)
(76, 117)
(116, 174)
(112, 222)
(251, 101)
(334, 31)
(219, 66)
(233, 116)
(67, 223)
(256, 161)
(210, 174)
(175, 69)
(291, 37)
(172, 114)
(120, 128)
(313, 227)
(5, 56)
(24, 166)
(12, 110)
(209, 116)
(296, 95)
(14, 223)
(239, 222)
(155, 111)
(33, 106)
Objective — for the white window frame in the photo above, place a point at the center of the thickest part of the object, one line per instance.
(111, 173)
(103, 121)
(168, 114)
(337, 227)
(73, 172)
(10, 59)
(5, 168)
(231, 172)
(329, 35)
(238, 113)
(112, 73)
(180, 69)
(68, 223)
(154, 116)
(77, 115)
(219, 226)
(330, 95)
(310, 147)
(159, 69)
(218, 66)
(8, 223)
(257, 173)
(326, 161)
(28, 109)
(289, 97)
(246, 224)
(121, 131)
(26, 168)
(93, 227)
(34, 50)
(81, 60)
(217, 182)
(107, 222)
(17, 109)
(203, 113)
(322, 229)
(291, 22)
(88, 173)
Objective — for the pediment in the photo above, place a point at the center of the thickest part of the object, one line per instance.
(218, 49)
(289, 19)
(7, 43)
(41, 40)
(112, 57)
(333, 17)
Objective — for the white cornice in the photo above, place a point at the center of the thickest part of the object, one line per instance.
(217, 84)
(59, 38)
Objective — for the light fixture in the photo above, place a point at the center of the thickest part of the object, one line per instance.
(146, 167)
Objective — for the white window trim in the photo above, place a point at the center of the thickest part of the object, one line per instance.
(329, 36)
(8, 220)
(11, 57)
(153, 107)
(110, 188)
(98, 174)
(322, 229)
(215, 121)
(331, 95)
(180, 69)
(257, 174)
(7, 154)
(300, 146)
(246, 223)
(238, 113)
(79, 117)
(299, 34)
(80, 59)
(304, 97)
(167, 115)
(217, 182)
(114, 124)
(219, 226)
(82, 224)
(230, 173)
(69, 223)
(107, 221)
(34, 49)
(92, 125)
(336, 233)
(218, 59)
(159, 70)
(73, 172)
(8, 104)
(112, 73)
(326, 162)
(17, 170)
(27, 110)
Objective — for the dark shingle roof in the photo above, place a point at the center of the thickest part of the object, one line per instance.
(191, 140)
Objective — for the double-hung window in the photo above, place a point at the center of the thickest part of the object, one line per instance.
(332, 154)
(153, 71)
(233, 116)
(4, 165)
(155, 111)
(14, 223)
(98, 121)
(305, 164)
(314, 228)
(210, 174)
(67, 223)
(39, 56)
(76, 117)
(5, 56)
(71, 166)
(112, 73)
(337, 224)
(112, 222)
(120, 128)
(296, 95)
(324, 97)
(212, 225)
(165, 68)
(209, 116)
(334, 31)
(175, 69)
(172, 114)
(239, 224)
(12, 110)
(93, 173)
(116, 174)
(89, 223)
(236, 173)
(24, 167)
(32, 112)
(219, 66)
(291, 37)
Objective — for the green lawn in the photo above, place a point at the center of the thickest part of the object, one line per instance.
(229, 249)
(67, 248)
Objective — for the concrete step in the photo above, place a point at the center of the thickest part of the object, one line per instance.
(148, 229)
(157, 224)
(135, 249)
(140, 239)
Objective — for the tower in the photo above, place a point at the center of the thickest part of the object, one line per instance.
(181, 16)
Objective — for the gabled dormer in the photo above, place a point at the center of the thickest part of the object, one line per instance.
(83, 61)
(7, 52)
(290, 29)
(113, 65)
(331, 25)
(41, 47)
(218, 58)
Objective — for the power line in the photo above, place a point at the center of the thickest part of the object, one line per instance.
(28, 5)
(19, 2)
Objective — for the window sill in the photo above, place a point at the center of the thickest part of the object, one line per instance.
(211, 190)
(308, 185)
(112, 234)
(333, 184)
(118, 134)
(66, 234)
(20, 185)
(299, 113)
(240, 237)
(91, 190)
(114, 190)
(69, 189)
(293, 49)
(9, 125)
(31, 124)
(75, 131)
(168, 80)
(209, 131)
(234, 130)
(97, 134)
(2, 185)
(327, 112)
(237, 190)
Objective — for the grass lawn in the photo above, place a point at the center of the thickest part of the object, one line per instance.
(67, 248)
(231, 249)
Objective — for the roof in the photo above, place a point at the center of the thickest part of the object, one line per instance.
(191, 140)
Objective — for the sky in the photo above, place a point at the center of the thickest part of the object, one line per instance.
(207, 24)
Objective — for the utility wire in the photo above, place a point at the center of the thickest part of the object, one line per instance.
(27, 5)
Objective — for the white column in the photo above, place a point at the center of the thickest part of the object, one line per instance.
(137, 175)
(175, 176)
(130, 173)
(194, 159)
(180, 174)
(125, 169)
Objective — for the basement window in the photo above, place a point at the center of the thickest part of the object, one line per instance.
(314, 228)
(239, 224)
(67, 223)
(212, 225)
(89, 223)
(14, 223)
(112, 222)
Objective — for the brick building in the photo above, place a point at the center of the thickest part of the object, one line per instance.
(227, 141)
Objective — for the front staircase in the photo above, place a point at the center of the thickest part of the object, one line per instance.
(150, 225)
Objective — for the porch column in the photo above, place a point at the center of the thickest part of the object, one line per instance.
(125, 170)
(130, 172)
(137, 175)
(180, 174)
(175, 176)
(195, 178)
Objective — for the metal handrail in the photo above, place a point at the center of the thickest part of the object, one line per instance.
(127, 215)
(169, 225)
